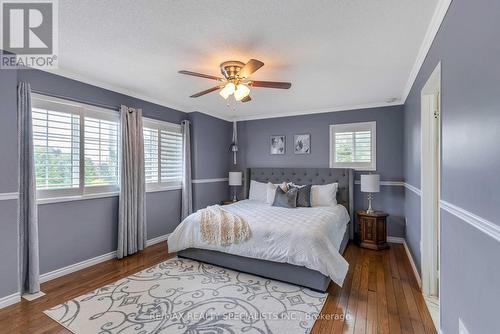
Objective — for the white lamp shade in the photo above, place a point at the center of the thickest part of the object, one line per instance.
(235, 178)
(227, 90)
(370, 183)
(241, 92)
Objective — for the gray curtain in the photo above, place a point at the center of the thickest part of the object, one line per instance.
(131, 217)
(29, 272)
(187, 190)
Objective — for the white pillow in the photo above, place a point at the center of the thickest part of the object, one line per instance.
(258, 191)
(324, 195)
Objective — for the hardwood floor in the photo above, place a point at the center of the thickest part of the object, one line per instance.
(380, 294)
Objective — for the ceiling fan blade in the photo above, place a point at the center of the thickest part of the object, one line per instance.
(210, 90)
(250, 67)
(201, 75)
(271, 84)
(246, 99)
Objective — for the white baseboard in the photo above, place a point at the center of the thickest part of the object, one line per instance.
(91, 262)
(157, 240)
(413, 266)
(398, 240)
(75, 267)
(10, 299)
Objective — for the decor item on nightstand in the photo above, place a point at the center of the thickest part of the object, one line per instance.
(302, 144)
(372, 229)
(234, 145)
(235, 180)
(278, 144)
(370, 183)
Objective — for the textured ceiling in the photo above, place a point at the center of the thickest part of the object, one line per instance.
(337, 53)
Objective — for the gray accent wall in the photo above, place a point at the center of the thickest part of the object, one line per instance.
(467, 46)
(254, 143)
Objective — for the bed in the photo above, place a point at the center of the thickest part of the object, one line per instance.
(301, 246)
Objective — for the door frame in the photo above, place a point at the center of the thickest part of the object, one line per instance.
(430, 175)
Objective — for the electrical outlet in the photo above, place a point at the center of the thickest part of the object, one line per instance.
(461, 327)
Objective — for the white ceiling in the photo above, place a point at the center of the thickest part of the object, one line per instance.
(338, 54)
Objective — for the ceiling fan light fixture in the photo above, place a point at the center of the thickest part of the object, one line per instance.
(228, 89)
(241, 92)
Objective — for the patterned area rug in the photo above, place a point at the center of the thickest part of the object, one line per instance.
(185, 296)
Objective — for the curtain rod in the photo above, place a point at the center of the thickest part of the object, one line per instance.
(95, 104)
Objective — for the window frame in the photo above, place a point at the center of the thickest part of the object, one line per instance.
(40, 101)
(354, 127)
(158, 125)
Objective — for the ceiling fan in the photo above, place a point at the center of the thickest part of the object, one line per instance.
(235, 80)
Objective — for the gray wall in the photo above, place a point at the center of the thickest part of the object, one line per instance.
(467, 46)
(69, 232)
(254, 143)
(210, 150)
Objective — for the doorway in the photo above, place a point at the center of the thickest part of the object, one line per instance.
(430, 188)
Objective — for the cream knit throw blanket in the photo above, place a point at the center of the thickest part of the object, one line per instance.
(220, 227)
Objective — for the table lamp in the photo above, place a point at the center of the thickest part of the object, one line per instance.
(235, 180)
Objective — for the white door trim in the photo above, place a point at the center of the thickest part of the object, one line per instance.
(430, 181)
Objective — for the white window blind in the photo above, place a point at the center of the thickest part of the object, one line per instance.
(76, 148)
(101, 152)
(151, 155)
(171, 156)
(56, 140)
(353, 146)
(162, 154)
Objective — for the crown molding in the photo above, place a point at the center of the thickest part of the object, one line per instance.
(116, 89)
(432, 30)
(317, 111)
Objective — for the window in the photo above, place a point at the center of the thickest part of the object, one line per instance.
(353, 146)
(162, 154)
(75, 148)
(101, 152)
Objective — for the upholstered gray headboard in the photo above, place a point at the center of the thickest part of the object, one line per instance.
(342, 176)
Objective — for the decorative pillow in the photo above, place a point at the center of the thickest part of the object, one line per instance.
(324, 195)
(258, 191)
(271, 190)
(303, 195)
(286, 199)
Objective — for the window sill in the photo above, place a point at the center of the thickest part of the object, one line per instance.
(169, 188)
(50, 200)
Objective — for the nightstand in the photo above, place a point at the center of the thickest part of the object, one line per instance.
(228, 201)
(372, 229)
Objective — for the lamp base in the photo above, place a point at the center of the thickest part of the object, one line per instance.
(370, 210)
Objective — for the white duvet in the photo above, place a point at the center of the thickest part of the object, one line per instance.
(308, 237)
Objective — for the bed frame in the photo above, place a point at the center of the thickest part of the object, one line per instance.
(285, 272)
